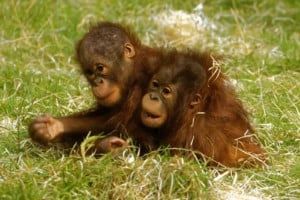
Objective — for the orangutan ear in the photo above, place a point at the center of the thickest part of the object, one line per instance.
(196, 100)
(129, 50)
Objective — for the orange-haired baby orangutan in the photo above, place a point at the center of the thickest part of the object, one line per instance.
(118, 67)
(191, 105)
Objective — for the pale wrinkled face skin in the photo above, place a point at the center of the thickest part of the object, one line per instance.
(172, 90)
(154, 113)
(108, 78)
(156, 102)
(104, 84)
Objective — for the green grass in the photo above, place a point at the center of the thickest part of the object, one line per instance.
(39, 75)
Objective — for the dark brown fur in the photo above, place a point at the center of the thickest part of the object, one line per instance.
(106, 42)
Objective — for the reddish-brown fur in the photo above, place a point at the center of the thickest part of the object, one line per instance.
(217, 127)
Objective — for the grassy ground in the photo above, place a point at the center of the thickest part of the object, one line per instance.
(38, 75)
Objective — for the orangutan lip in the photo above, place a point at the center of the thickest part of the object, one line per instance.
(151, 115)
(105, 97)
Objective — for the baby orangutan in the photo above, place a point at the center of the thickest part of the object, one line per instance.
(118, 68)
(190, 104)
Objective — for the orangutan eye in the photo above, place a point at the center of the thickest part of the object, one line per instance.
(166, 90)
(100, 68)
(155, 84)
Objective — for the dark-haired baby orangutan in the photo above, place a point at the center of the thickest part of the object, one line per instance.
(118, 68)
